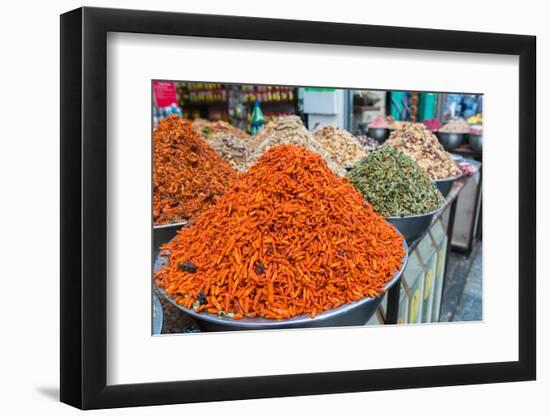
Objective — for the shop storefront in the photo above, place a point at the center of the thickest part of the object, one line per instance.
(439, 133)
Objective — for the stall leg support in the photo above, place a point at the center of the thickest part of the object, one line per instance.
(393, 303)
(450, 230)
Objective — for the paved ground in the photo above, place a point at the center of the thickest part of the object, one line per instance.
(463, 288)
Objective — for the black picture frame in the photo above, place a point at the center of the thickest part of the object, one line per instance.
(84, 207)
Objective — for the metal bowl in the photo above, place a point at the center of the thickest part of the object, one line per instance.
(158, 315)
(446, 184)
(165, 233)
(412, 227)
(353, 314)
(379, 134)
(450, 141)
(476, 142)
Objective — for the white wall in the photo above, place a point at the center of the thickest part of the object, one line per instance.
(30, 210)
(325, 108)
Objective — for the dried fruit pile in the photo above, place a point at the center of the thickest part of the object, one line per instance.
(188, 175)
(394, 184)
(289, 130)
(416, 141)
(288, 238)
(341, 146)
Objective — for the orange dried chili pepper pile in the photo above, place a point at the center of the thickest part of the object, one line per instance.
(188, 175)
(287, 238)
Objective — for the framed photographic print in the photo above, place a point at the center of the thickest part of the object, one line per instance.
(256, 208)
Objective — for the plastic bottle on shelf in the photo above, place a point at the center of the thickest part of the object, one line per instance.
(257, 118)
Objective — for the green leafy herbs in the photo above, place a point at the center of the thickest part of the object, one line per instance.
(394, 184)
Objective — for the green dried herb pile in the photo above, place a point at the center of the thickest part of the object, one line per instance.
(394, 184)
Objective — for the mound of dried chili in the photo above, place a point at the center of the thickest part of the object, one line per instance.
(287, 238)
(188, 175)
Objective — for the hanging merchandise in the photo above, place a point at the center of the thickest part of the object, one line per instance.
(427, 106)
(470, 105)
(452, 106)
(398, 105)
(413, 107)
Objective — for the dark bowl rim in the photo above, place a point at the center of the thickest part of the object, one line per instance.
(457, 177)
(169, 225)
(429, 213)
(451, 133)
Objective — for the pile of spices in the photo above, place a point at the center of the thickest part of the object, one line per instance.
(455, 126)
(229, 142)
(341, 146)
(394, 184)
(208, 128)
(231, 149)
(188, 175)
(398, 124)
(288, 238)
(416, 141)
(289, 130)
(367, 142)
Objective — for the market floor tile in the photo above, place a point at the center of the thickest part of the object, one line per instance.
(464, 287)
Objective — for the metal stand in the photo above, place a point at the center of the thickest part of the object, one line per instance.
(394, 293)
(450, 230)
(393, 303)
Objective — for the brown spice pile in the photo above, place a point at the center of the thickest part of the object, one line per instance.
(416, 141)
(289, 130)
(341, 145)
(230, 143)
(231, 149)
(288, 238)
(398, 124)
(188, 175)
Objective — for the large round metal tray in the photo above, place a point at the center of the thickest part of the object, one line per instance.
(353, 314)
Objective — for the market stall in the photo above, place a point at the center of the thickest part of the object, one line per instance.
(232, 176)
